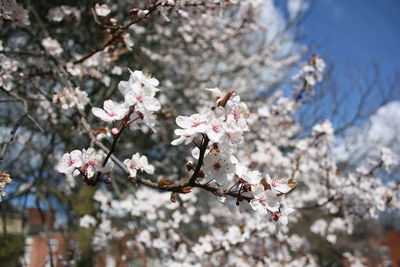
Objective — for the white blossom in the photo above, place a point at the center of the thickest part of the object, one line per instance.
(218, 166)
(264, 200)
(87, 221)
(70, 161)
(111, 111)
(138, 163)
(70, 98)
(7, 67)
(102, 10)
(52, 46)
(60, 13)
(388, 158)
(278, 185)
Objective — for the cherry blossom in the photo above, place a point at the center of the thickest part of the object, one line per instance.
(60, 13)
(7, 67)
(139, 79)
(310, 74)
(52, 46)
(93, 161)
(264, 200)
(192, 126)
(70, 161)
(224, 202)
(85, 162)
(102, 10)
(138, 163)
(216, 126)
(70, 98)
(143, 99)
(218, 167)
(112, 111)
(139, 92)
(87, 221)
(282, 215)
(11, 10)
(388, 158)
(278, 185)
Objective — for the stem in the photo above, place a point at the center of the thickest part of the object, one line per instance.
(124, 124)
(203, 148)
(115, 36)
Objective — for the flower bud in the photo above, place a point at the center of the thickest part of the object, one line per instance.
(201, 174)
(142, 13)
(115, 131)
(113, 21)
(277, 215)
(189, 165)
(107, 180)
(219, 192)
(134, 11)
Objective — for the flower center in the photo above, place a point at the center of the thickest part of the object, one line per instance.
(215, 128)
(217, 166)
(139, 98)
(70, 162)
(236, 115)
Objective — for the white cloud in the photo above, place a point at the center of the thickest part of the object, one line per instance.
(295, 7)
(382, 129)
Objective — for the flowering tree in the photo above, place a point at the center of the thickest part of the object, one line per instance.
(169, 171)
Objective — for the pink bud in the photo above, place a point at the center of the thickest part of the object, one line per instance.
(201, 174)
(107, 180)
(219, 192)
(142, 13)
(115, 131)
(134, 11)
(189, 165)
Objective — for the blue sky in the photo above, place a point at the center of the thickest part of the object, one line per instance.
(357, 31)
(351, 33)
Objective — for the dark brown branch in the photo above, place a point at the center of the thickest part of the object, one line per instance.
(115, 36)
(203, 149)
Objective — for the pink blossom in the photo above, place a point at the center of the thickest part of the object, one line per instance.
(112, 111)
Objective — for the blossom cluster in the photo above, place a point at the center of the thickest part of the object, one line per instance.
(139, 101)
(69, 98)
(310, 74)
(102, 10)
(11, 10)
(388, 158)
(236, 144)
(223, 126)
(86, 162)
(7, 67)
(52, 46)
(138, 163)
(63, 12)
